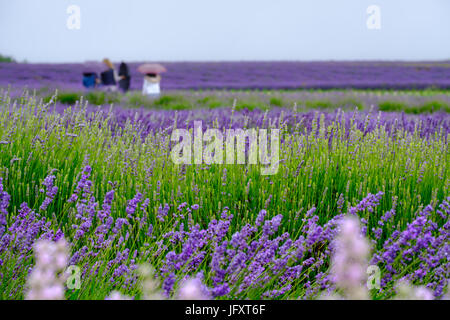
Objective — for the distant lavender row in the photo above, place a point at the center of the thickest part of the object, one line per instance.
(250, 75)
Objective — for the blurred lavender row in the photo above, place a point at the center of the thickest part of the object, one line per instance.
(250, 75)
(150, 121)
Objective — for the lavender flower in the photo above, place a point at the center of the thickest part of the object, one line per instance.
(45, 281)
(192, 289)
(116, 295)
(349, 260)
(51, 191)
(405, 291)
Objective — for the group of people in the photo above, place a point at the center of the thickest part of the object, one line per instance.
(113, 80)
(110, 79)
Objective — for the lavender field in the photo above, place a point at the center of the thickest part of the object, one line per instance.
(94, 189)
(92, 205)
(250, 75)
(225, 159)
(412, 87)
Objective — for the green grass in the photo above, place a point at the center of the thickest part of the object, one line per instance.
(428, 101)
(318, 104)
(433, 106)
(210, 102)
(427, 107)
(275, 101)
(93, 97)
(392, 106)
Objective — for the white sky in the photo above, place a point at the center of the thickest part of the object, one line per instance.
(218, 30)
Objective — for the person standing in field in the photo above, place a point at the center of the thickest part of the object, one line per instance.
(151, 85)
(124, 74)
(110, 77)
(152, 78)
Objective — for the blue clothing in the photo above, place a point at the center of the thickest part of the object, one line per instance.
(89, 80)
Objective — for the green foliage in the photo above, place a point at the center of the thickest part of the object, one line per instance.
(433, 106)
(205, 100)
(247, 105)
(392, 106)
(6, 59)
(96, 97)
(166, 100)
(137, 100)
(210, 102)
(100, 97)
(68, 97)
(215, 104)
(427, 107)
(275, 101)
(319, 104)
(93, 97)
(174, 102)
(385, 100)
(350, 102)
